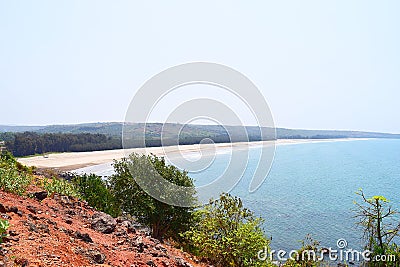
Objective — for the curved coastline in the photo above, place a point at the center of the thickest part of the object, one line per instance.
(75, 160)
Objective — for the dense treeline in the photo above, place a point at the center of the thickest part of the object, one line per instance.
(30, 143)
(318, 136)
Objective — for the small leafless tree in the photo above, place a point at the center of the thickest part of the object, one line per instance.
(378, 220)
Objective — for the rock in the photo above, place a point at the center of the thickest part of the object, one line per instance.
(85, 237)
(161, 248)
(5, 216)
(103, 223)
(151, 263)
(71, 212)
(120, 219)
(12, 233)
(121, 233)
(31, 209)
(129, 226)
(157, 254)
(40, 195)
(33, 217)
(154, 240)
(21, 262)
(165, 263)
(12, 209)
(140, 244)
(3, 252)
(2, 209)
(44, 228)
(125, 223)
(139, 240)
(32, 227)
(51, 222)
(182, 263)
(10, 238)
(96, 256)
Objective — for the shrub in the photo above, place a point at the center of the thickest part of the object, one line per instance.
(95, 191)
(4, 224)
(59, 186)
(163, 219)
(307, 255)
(14, 177)
(228, 234)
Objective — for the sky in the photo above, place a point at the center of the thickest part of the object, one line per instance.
(319, 64)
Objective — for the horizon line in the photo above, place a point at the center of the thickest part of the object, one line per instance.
(276, 127)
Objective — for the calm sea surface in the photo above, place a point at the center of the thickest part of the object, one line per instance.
(311, 188)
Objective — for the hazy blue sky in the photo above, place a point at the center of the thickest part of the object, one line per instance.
(320, 64)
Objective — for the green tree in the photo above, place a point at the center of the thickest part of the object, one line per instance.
(378, 220)
(95, 191)
(164, 220)
(228, 234)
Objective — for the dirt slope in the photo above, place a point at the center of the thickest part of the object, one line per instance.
(62, 231)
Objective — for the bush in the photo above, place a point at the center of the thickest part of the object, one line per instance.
(14, 177)
(228, 234)
(95, 191)
(59, 186)
(163, 219)
(307, 255)
(4, 224)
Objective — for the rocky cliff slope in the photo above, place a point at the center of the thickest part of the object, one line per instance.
(62, 231)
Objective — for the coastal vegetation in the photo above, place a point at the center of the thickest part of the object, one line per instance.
(164, 220)
(4, 224)
(309, 248)
(227, 234)
(115, 129)
(380, 224)
(96, 192)
(26, 141)
(223, 232)
(58, 185)
(14, 177)
(31, 143)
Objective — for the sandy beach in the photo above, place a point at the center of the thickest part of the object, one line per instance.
(75, 160)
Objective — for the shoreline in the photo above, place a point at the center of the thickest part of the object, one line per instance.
(69, 161)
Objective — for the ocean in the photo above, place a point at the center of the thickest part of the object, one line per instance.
(311, 188)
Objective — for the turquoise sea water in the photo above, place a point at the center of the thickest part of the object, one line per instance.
(311, 188)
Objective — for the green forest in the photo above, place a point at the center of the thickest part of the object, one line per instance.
(30, 143)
